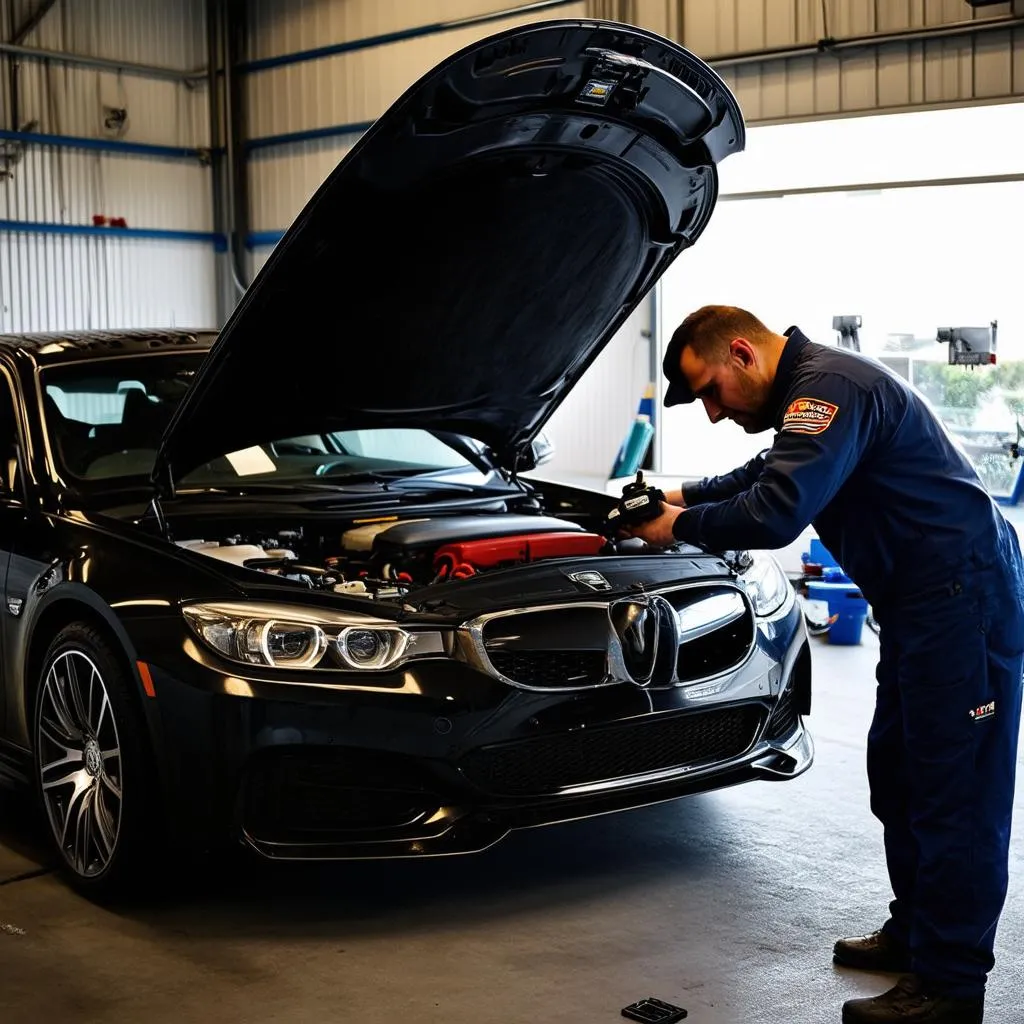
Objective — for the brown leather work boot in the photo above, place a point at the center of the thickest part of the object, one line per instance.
(874, 952)
(910, 1002)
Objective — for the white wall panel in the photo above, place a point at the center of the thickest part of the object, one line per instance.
(282, 179)
(258, 258)
(591, 423)
(73, 101)
(69, 100)
(167, 32)
(69, 186)
(63, 281)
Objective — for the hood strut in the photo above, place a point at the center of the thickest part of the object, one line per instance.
(155, 509)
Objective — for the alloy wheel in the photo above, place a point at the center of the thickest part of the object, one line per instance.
(79, 759)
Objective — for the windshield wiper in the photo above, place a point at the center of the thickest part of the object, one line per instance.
(373, 475)
(262, 488)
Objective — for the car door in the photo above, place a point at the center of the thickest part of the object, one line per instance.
(12, 515)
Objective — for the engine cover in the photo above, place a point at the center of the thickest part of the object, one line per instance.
(467, 556)
(430, 534)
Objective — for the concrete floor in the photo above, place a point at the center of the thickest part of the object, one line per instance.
(727, 904)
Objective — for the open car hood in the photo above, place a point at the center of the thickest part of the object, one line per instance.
(473, 253)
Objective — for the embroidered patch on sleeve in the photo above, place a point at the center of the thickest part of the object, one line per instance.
(809, 416)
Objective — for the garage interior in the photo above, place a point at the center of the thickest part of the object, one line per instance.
(153, 153)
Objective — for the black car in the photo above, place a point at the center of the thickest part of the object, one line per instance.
(295, 583)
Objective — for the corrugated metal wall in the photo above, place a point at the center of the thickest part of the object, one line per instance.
(57, 268)
(844, 78)
(347, 89)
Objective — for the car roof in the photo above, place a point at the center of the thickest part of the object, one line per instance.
(48, 348)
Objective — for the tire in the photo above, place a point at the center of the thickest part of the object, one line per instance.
(92, 768)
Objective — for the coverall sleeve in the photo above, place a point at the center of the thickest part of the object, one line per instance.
(825, 432)
(718, 488)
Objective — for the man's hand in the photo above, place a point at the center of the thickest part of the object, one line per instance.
(675, 498)
(658, 532)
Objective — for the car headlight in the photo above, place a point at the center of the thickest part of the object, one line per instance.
(282, 636)
(769, 589)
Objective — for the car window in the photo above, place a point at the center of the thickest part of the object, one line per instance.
(105, 420)
(413, 447)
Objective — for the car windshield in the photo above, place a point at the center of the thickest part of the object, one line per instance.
(105, 419)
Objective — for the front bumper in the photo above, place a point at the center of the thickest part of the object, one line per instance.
(455, 830)
(451, 762)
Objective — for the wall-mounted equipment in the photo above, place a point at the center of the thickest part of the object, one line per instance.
(970, 346)
(848, 326)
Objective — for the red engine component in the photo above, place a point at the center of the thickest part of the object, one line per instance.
(464, 558)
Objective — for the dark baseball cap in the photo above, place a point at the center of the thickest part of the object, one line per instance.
(678, 392)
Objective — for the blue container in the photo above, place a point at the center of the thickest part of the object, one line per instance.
(634, 448)
(847, 609)
(833, 574)
(819, 554)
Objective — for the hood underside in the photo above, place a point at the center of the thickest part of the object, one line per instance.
(474, 252)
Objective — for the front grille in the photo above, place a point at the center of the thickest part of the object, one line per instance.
(660, 640)
(547, 764)
(715, 652)
(784, 717)
(290, 794)
(550, 668)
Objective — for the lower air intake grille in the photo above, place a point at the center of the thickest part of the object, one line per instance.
(550, 668)
(784, 718)
(288, 795)
(550, 763)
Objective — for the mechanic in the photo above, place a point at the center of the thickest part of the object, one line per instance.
(859, 455)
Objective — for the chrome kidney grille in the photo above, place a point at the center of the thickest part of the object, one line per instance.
(654, 641)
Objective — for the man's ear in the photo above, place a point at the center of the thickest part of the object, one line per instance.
(742, 352)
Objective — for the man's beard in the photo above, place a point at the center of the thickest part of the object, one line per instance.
(755, 394)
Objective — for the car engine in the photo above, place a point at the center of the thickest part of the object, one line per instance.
(388, 558)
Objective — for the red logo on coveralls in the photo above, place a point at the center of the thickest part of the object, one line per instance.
(983, 711)
(809, 416)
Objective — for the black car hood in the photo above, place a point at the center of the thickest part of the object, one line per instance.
(473, 253)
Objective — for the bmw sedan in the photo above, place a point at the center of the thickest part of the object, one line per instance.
(296, 584)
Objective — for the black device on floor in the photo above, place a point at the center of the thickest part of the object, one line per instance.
(654, 1011)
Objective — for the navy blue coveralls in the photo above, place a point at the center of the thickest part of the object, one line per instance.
(860, 456)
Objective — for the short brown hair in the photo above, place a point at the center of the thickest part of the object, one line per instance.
(709, 330)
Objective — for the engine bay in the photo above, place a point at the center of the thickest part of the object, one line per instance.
(388, 558)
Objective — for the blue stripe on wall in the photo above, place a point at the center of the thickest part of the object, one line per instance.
(218, 241)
